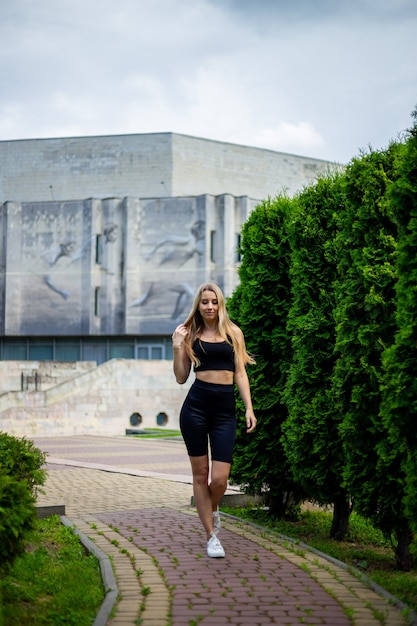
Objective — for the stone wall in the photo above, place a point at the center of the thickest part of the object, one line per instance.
(97, 401)
(39, 375)
(73, 168)
(146, 166)
(203, 166)
(113, 267)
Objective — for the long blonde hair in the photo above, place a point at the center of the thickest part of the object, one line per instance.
(227, 330)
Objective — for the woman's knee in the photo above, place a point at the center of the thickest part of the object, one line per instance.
(200, 469)
(219, 475)
(218, 483)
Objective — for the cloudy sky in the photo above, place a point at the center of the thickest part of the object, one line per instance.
(319, 78)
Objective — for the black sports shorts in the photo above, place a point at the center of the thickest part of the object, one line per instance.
(208, 414)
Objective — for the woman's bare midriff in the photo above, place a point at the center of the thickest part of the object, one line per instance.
(217, 377)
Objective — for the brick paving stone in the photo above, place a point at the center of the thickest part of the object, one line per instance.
(242, 588)
(260, 582)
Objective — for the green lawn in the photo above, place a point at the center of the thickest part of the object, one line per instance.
(157, 433)
(55, 582)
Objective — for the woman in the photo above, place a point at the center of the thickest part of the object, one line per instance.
(210, 342)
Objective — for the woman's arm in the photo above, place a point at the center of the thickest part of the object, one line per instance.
(182, 363)
(242, 382)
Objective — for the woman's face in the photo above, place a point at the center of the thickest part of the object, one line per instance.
(209, 306)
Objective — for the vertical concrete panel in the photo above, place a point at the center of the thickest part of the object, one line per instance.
(218, 241)
(112, 268)
(244, 207)
(3, 248)
(171, 245)
(211, 238)
(204, 205)
(48, 263)
(231, 227)
(170, 249)
(134, 296)
(93, 285)
(12, 315)
(86, 261)
(124, 241)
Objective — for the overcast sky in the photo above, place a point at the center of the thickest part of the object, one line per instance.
(319, 78)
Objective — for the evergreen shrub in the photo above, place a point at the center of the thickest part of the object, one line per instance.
(21, 474)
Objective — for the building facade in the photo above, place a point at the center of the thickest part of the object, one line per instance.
(146, 166)
(97, 279)
(103, 240)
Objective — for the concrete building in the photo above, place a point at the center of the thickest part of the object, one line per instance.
(123, 270)
(146, 166)
(103, 242)
(108, 237)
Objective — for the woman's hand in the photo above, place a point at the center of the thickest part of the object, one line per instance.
(250, 421)
(179, 335)
(182, 363)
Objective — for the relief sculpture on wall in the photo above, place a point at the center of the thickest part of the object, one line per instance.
(93, 268)
(171, 262)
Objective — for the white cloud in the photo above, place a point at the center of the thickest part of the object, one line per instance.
(310, 77)
(289, 137)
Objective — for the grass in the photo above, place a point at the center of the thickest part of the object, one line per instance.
(55, 582)
(157, 433)
(366, 548)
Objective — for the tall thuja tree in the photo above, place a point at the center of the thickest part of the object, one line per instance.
(365, 317)
(310, 433)
(260, 307)
(399, 405)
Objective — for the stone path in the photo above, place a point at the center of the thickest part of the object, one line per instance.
(132, 498)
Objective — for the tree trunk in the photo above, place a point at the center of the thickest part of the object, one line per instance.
(402, 549)
(277, 505)
(285, 504)
(341, 513)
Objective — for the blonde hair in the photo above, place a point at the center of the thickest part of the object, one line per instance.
(228, 331)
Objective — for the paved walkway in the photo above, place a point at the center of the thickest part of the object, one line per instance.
(132, 498)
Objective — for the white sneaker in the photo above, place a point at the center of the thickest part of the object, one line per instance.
(216, 521)
(214, 547)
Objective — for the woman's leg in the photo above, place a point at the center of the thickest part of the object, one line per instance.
(222, 434)
(218, 484)
(202, 493)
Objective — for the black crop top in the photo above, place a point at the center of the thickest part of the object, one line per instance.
(214, 356)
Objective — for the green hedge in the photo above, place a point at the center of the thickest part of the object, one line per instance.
(21, 475)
